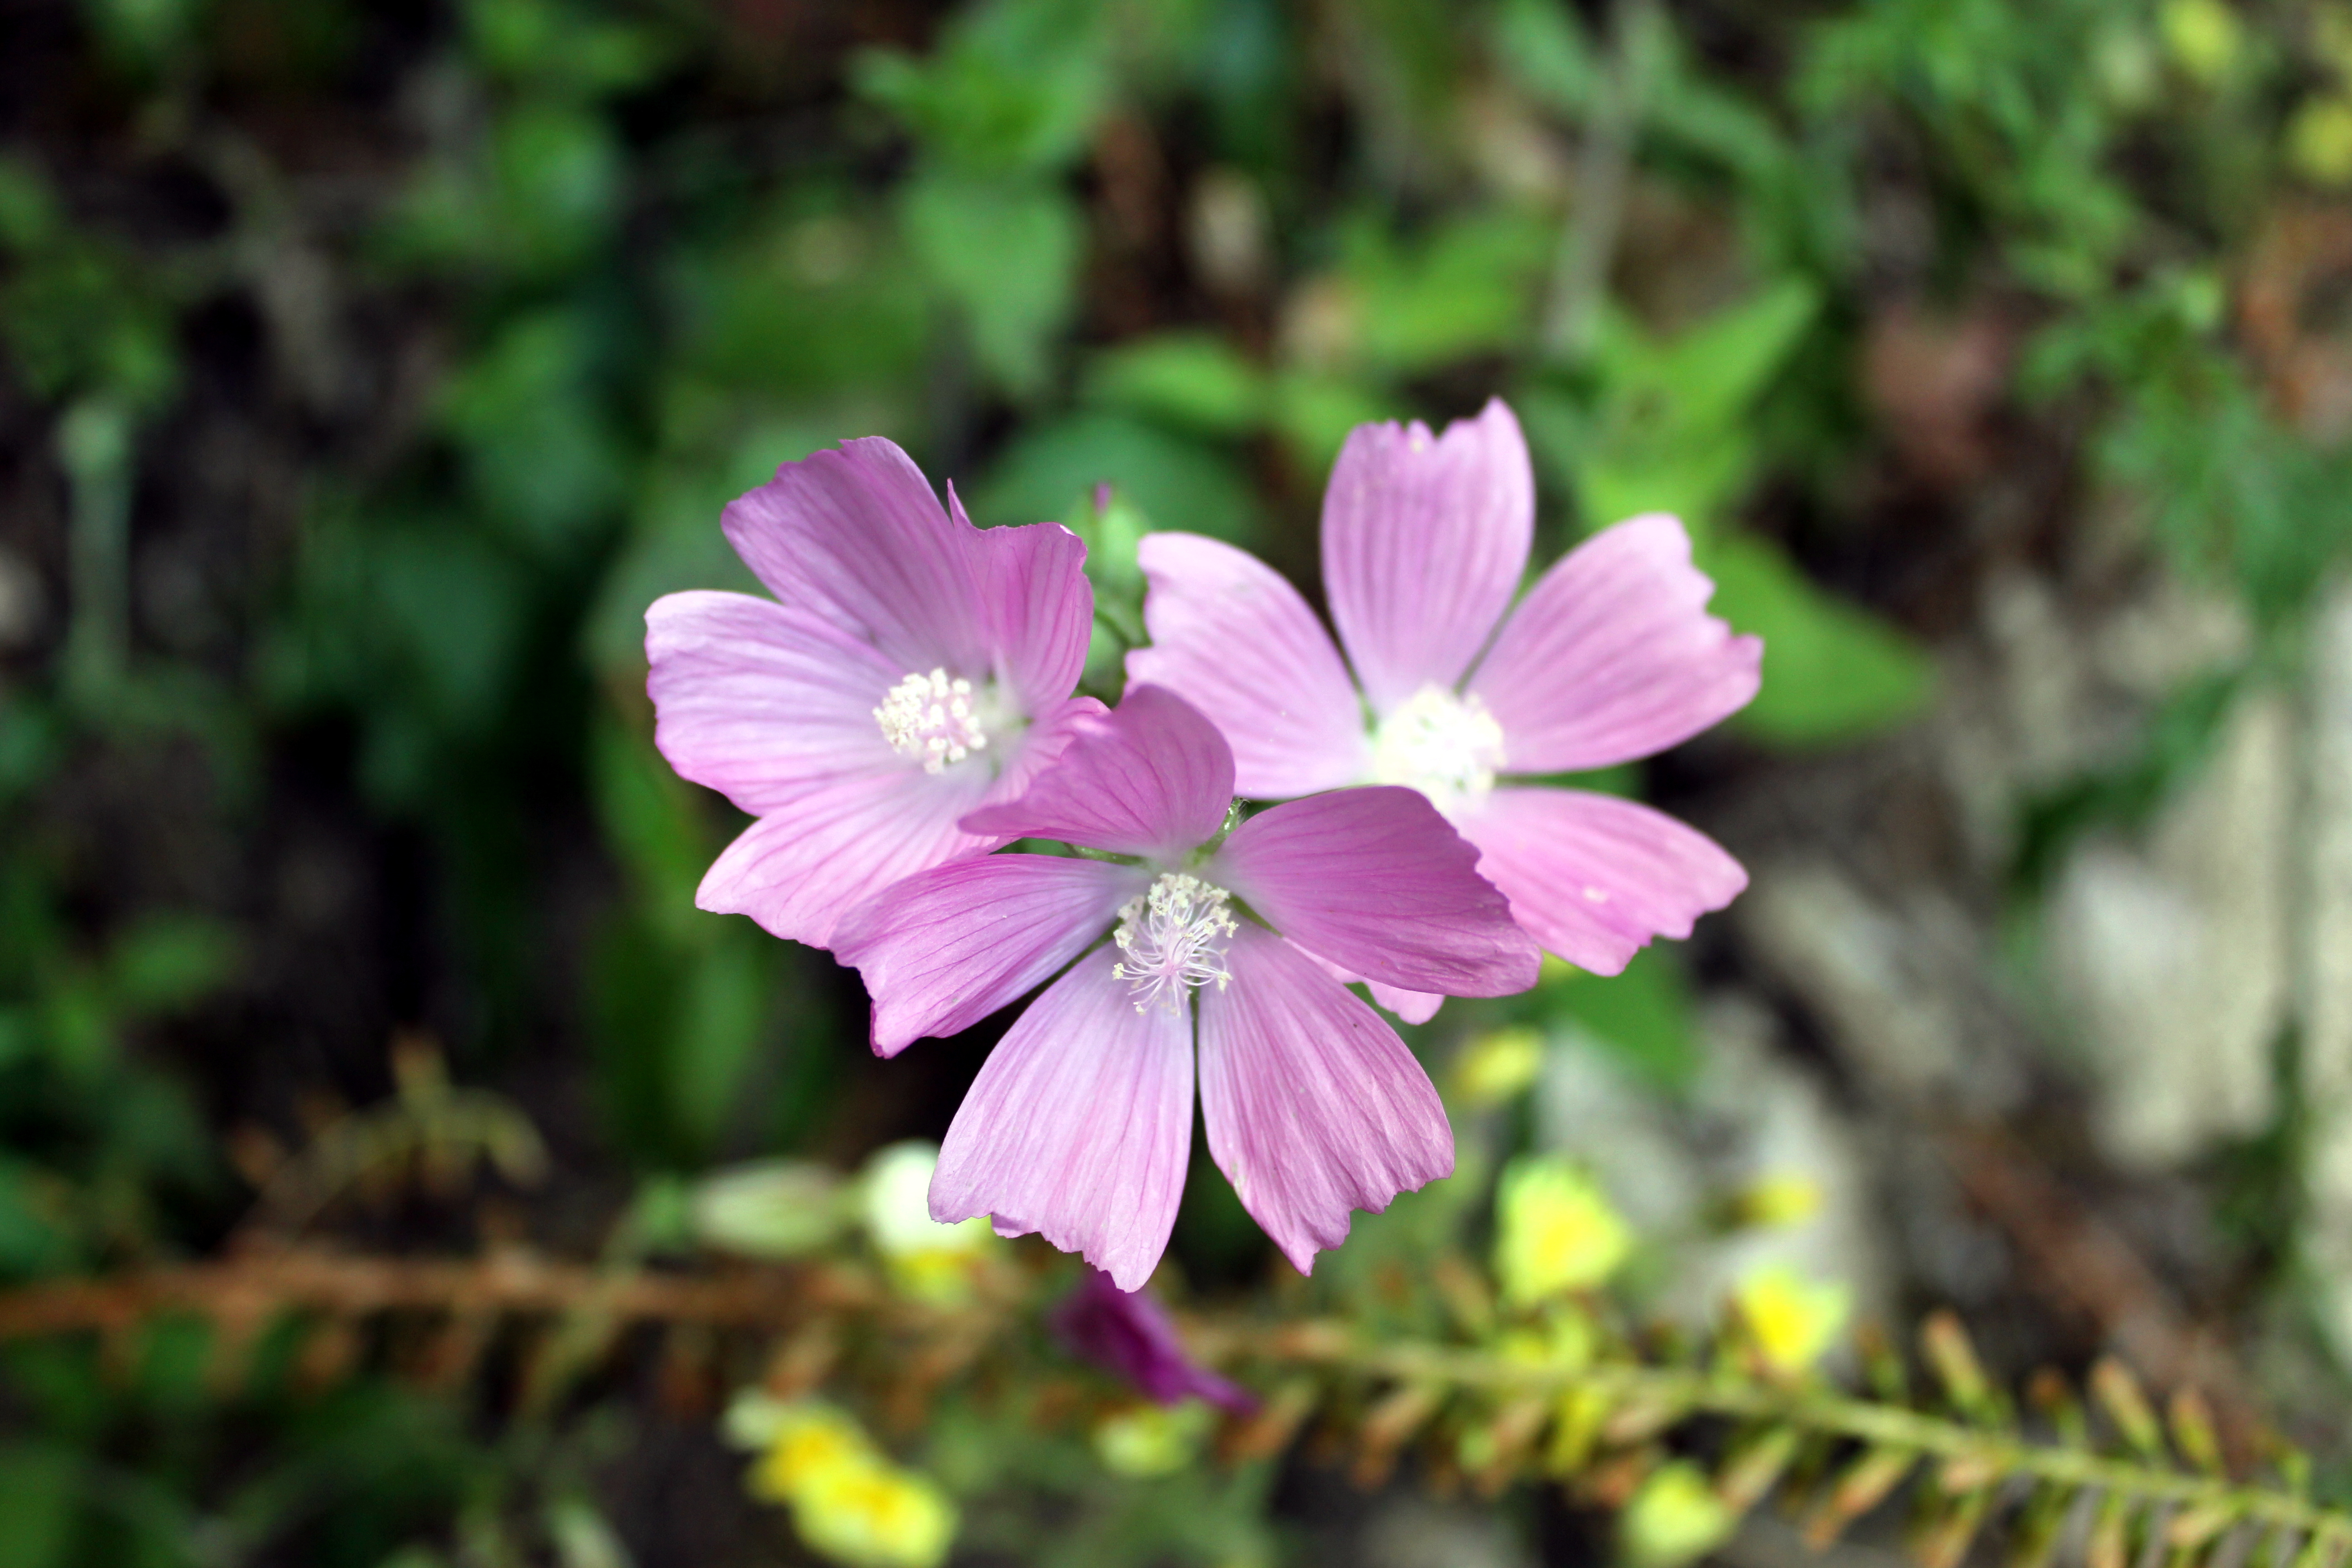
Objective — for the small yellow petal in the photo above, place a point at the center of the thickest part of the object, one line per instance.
(1497, 1066)
(1153, 1439)
(2319, 140)
(1555, 1231)
(2204, 37)
(1790, 1319)
(1674, 1519)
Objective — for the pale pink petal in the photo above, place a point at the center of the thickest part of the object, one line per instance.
(1040, 607)
(1151, 777)
(1231, 636)
(1412, 1006)
(1376, 881)
(1314, 1107)
(947, 947)
(802, 867)
(1612, 655)
(1079, 1125)
(1424, 540)
(858, 536)
(761, 702)
(1594, 878)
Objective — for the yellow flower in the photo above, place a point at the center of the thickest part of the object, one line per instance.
(2203, 35)
(2319, 140)
(1790, 1319)
(1555, 1231)
(1674, 1519)
(927, 1260)
(1153, 1439)
(872, 1514)
(1790, 1197)
(1497, 1066)
(806, 1440)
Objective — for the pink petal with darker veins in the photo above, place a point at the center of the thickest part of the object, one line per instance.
(1594, 878)
(1151, 777)
(1412, 1006)
(1079, 1125)
(1613, 656)
(1424, 540)
(1039, 610)
(1231, 636)
(858, 536)
(947, 947)
(763, 703)
(1314, 1107)
(1375, 880)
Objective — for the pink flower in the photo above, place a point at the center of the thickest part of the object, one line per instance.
(1609, 657)
(1080, 1124)
(1129, 1333)
(910, 668)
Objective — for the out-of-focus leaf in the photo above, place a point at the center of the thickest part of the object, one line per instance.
(1314, 413)
(811, 303)
(540, 456)
(1642, 1016)
(773, 1208)
(1831, 671)
(1191, 379)
(167, 962)
(1006, 252)
(557, 48)
(38, 1498)
(34, 1236)
(1014, 84)
(1543, 47)
(1467, 289)
(1178, 482)
(28, 207)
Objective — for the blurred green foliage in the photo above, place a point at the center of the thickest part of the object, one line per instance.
(567, 275)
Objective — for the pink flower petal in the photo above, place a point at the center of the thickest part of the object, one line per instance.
(947, 947)
(1151, 777)
(1314, 1107)
(1040, 608)
(858, 536)
(1079, 1126)
(1412, 1006)
(1129, 1333)
(1612, 655)
(804, 866)
(1376, 881)
(761, 702)
(1424, 540)
(1235, 641)
(1594, 878)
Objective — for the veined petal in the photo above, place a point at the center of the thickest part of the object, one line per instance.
(1594, 878)
(761, 702)
(1314, 1107)
(1612, 655)
(947, 947)
(858, 536)
(1079, 1126)
(802, 867)
(1374, 879)
(1151, 777)
(1040, 608)
(1231, 636)
(1424, 539)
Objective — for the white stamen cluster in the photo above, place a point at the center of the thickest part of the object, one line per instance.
(1172, 939)
(931, 719)
(1445, 746)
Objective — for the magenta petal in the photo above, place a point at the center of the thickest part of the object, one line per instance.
(1078, 1126)
(761, 702)
(1129, 1333)
(947, 947)
(1424, 540)
(1412, 1006)
(802, 867)
(1612, 655)
(1151, 777)
(1040, 608)
(1231, 636)
(1314, 1107)
(1374, 879)
(858, 536)
(1594, 878)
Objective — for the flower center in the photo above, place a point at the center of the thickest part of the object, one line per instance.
(1445, 746)
(932, 719)
(1173, 939)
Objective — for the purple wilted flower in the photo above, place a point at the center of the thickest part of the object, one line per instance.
(1129, 1333)
(1609, 657)
(910, 668)
(1080, 1124)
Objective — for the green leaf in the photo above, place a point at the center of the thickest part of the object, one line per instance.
(1467, 289)
(1832, 672)
(39, 1496)
(1542, 44)
(1015, 86)
(167, 962)
(1179, 483)
(1006, 252)
(1193, 380)
(1643, 1016)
